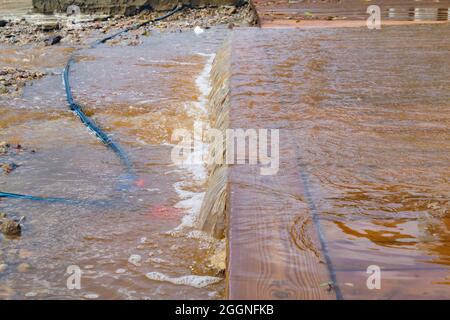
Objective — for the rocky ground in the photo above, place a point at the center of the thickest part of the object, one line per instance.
(9, 153)
(12, 79)
(82, 30)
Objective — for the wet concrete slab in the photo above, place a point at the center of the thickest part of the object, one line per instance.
(364, 122)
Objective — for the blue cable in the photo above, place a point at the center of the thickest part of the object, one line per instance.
(90, 124)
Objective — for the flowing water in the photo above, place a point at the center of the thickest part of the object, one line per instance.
(15, 7)
(365, 118)
(397, 10)
(139, 95)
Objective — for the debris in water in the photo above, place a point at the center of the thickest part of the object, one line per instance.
(135, 260)
(3, 267)
(329, 285)
(191, 280)
(349, 284)
(4, 146)
(49, 26)
(10, 227)
(9, 167)
(198, 30)
(30, 294)
(217, 261)
(13, 79)
(91, 296)
(23, 267)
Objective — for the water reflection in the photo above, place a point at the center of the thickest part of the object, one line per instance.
(383, 237)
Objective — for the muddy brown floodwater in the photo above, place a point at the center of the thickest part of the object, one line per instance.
(139, 95)
(364, 120)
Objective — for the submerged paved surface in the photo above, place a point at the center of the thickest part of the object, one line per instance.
(139, 95)
(364, 121)
(301, 12)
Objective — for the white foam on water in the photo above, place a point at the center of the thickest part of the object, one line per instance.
(191, 280)
(198, 30)
(191, 202)
(135, 260)
(192, 205)
(158, 62)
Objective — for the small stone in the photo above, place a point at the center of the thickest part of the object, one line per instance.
(231, 9)
(50, 41)
(4, 146)
(6, 292)
(349, 284)
(30, 294)
(11, 227)
(49, 26)
(9, 167)
(120, 271)
(3, 267)
(101, 18)
(3, 23)
(23, 267)
(91, 296)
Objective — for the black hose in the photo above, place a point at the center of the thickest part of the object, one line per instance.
(90, 124)
(33, 198)
(139, 25)
(75, 107)
(46, 199)
(322, 239)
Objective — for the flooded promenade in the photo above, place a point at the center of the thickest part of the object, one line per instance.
(364, 158)
(364, 126)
